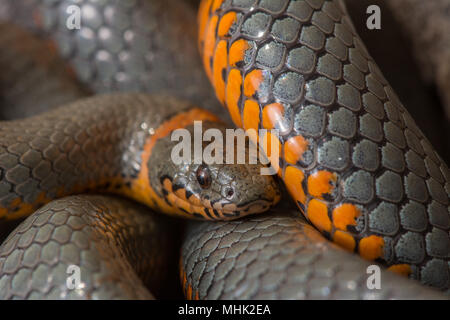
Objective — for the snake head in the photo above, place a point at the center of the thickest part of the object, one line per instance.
(214, 190)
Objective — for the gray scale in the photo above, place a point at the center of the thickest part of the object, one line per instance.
(437, 243)
(321, 91)
(354, 76)
(413, 216)
(271, 55)
(394, 135)
(349, 97)
(300, 10)
(342, 122)
(335, 47)
(359, 187)
(392, 113)
(439, 216)
(416, 188)
(433, 170)
(273, 6)
(436, 273)
(329, 67)
(366, 155)
(343, 33)
(429, 151)
(315, 4)
(302, 60)
(413, 142)
(312, 37)
(357, 59)
(370, 128)
(375, 87)
(322, 21)
(310, 121)
(373, 105)
(332, 11)
(384, 219)
(389, 187)
(415, 164)
(334, 154)
(285, 29)
(437, 191)
(392, 158)
(410, 247)
(243, 3)
(376, 72)
(288, 87)
(256, 25)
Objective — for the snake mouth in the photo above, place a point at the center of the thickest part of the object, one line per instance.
(192, 205)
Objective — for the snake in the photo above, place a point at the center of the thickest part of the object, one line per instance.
(350, 155)
(117, 143)
(201, 243)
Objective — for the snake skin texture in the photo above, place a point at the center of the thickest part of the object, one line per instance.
(352, 157)
(33, 78)
(124, 45)
(78, 145)
(426, 24)
(120, 247)
(280, 256)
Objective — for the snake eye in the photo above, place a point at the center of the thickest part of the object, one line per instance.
(204, 176)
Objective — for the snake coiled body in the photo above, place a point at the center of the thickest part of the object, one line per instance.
(121, 249)
(279, 256)
(34, 78)
(124, 46)
(102, 143)
(351, 156)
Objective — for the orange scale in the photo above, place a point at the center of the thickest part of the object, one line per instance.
(216, 5)
(252, 82)
(237, 51)
(225, 23)
(233, 94)
(401, 269)
(321, 182)
(251, 115)
(371, 247)
(293, 178)
(318, 215)
(219, 65)
(202, 18)
(272, 114)
(294, 148)
(344, 240)
(345, 215)
(209, 45)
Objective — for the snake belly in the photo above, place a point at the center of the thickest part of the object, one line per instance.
(121, 251)
(351, 156)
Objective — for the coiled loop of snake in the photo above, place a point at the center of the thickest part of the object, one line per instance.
(351, 156)
(217, 281)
